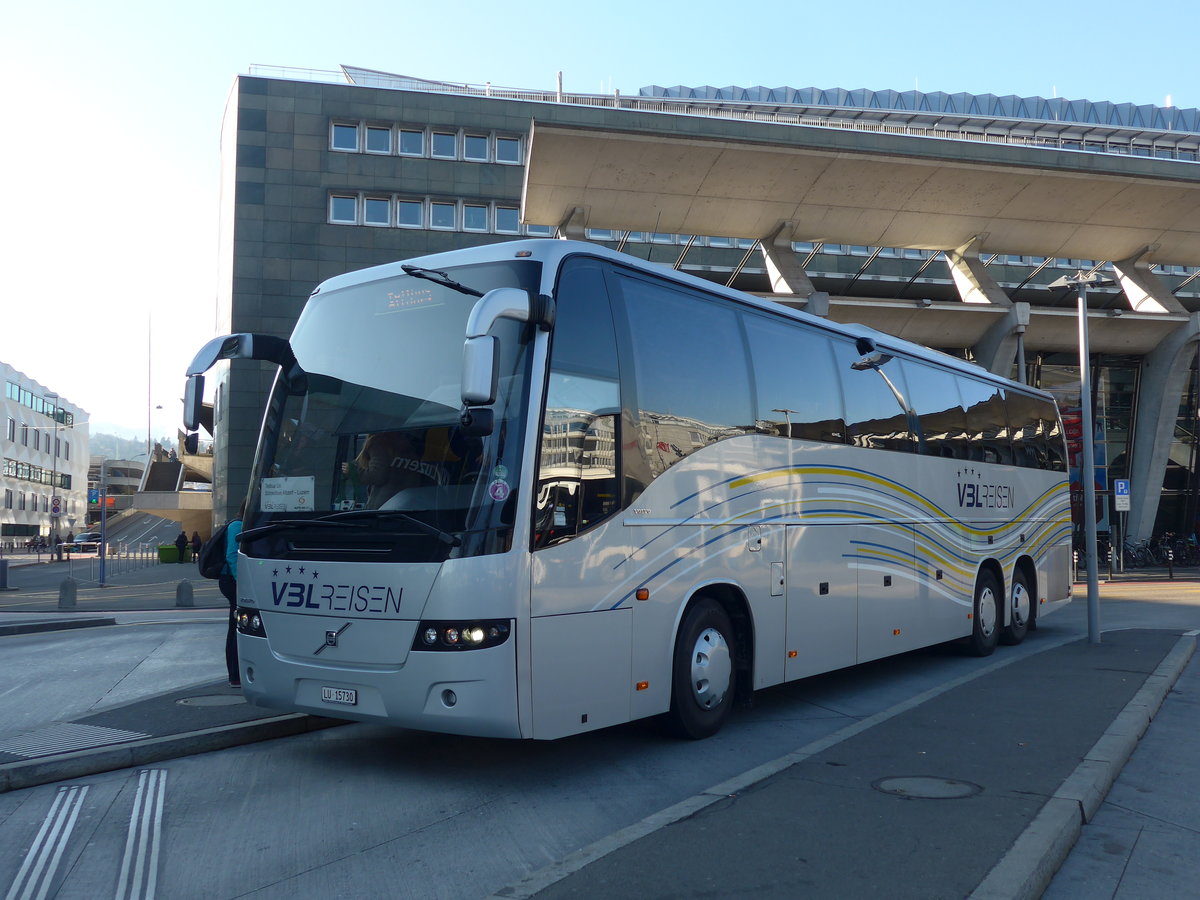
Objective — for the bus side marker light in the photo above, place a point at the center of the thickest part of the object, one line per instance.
(895, 632)
(792, 654)
(642, 594)
(643, 685)
(970, 616)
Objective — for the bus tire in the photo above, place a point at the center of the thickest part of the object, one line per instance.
(703, 671)
(985, 623)
(1020, 610)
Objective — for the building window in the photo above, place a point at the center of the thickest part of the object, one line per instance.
(410, 214)
(445, 145)
(379, 140)
(475, 217)
(12, 429)
(376, 211)
(344, 137)
(66, 449)
(508, 220)
(8, 498)
(24, 435)
(475, 147)
(441, 215)
(412, 143)
(343, 209)
(539, 231)
(508, 150)
(20, 499)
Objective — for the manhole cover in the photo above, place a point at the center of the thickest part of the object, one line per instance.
(927, 788)
(212, 700)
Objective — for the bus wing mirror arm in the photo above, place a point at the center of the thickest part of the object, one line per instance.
(232, 346)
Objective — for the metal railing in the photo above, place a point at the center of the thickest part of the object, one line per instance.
(691, 107)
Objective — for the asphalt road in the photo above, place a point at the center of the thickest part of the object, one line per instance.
(364, 811)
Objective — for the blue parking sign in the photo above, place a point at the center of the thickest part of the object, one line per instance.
(1121, 494)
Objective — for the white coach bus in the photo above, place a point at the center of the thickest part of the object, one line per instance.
(537, 488)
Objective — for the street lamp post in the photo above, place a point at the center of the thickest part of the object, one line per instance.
(1079, 281)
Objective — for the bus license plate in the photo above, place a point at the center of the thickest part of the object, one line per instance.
(344, 696)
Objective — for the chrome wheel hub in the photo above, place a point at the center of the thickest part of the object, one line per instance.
(712, 668)
(987, 612)
(1021, 604)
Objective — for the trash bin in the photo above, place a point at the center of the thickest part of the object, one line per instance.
(168, 553)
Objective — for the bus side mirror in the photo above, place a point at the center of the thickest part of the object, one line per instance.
(479, 373)
(193, 402)
(191, 443)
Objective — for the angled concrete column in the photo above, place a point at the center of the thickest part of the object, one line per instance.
(1145, 290)
(998, 346)
(785, 272)
(572, 228)
(971, 276)
(1165, 370)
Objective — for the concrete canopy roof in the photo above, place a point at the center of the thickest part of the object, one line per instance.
(860, 188)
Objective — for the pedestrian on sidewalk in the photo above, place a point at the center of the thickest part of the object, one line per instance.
(228, 586)
(181, 544)
(196, 545)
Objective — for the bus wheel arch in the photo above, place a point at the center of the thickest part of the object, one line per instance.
(987, 609)
(1021, 612)
(710, 668)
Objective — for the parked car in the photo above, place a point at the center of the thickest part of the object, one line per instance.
(87, 541)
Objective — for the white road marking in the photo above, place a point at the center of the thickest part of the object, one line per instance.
(139, 867)
(34, 879)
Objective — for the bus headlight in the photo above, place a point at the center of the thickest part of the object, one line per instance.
(461, 635)
(249, 622)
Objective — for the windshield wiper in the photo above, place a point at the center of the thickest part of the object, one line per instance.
(340, 519)
(251, 533)
(333, 521)
(440, 278)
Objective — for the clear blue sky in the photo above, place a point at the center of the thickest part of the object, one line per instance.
(114, 110)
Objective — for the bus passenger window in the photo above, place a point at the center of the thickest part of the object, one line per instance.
(796, 381)
(693, 378)
(876, 403)
(934, 396)
(987, 422)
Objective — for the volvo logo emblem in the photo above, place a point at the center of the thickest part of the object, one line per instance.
(331, 638)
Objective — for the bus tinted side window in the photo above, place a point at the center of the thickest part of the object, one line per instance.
(934, 396)
(1036, 434)
(876, 398)
(577, 466)
(798, 391)
(693, 381)
(987, 421)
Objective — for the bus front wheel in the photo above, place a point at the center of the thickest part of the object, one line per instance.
(985, 623)
(703, 671)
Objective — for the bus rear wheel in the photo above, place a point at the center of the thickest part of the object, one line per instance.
(703, 671)
(1020, 610)
(985, 623)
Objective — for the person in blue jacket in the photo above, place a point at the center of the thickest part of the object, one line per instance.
(227, 583)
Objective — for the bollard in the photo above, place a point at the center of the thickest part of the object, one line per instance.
(1171, 564)
(183, 593)
(3, 574)
(66, 594)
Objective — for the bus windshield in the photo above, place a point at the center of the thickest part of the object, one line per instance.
(363, 457)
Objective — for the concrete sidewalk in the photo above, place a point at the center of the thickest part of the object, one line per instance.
(978, 789)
